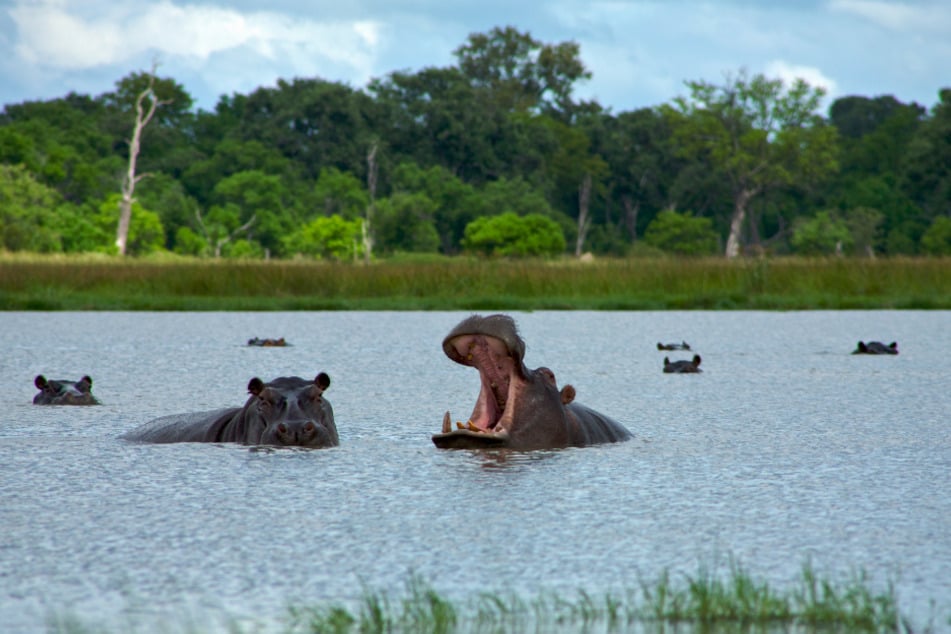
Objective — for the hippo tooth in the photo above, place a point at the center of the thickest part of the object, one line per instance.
(460, 425)
(446, 423)
(472, 427)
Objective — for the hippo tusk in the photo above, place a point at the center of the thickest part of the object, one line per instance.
(446, 423)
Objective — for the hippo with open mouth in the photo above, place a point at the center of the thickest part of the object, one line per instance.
(517, 408)
(288, 411)
(64, 392)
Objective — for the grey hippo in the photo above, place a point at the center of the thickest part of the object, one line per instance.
(64, 392)
(517, 408)
(288, 411)
(683, 367)
(683, 345)
(876, 347)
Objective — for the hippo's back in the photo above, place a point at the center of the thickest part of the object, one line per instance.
(595, 427)
(191, 427)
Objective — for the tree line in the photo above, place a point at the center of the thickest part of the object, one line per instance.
(492, 155)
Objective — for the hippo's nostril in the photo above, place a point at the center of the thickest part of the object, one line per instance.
(282, 428)
(309, 427)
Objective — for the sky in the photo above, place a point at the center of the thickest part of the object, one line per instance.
(640, 52)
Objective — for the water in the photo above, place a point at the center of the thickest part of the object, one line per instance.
(785, 450)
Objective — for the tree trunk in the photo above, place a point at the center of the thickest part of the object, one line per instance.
(584, 199)
(736, 222)
(365, 234)
(630, 216)
(131, 178)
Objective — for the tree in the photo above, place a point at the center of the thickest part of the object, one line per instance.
(681, 233)
(522, 73)
(327, 237)
(865, 227)
(511, 235)
(404, 223)
(937, 239)
(823, 234)
(253, 195)
(926, 178)
(28, 212)
(143, 115)
(145, 233)
(758, 135)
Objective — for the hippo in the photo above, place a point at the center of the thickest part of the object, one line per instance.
(288, 411)
(62, 392)
(517, 408)
(682, 367)
(876, 347)
(683, 345)
(268, 343)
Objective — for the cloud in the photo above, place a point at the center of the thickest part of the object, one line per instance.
(789, 73)
(55, 34)
(898, 16)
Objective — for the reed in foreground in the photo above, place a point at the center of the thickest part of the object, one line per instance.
(468, 284)
(725, 603)
(701, 603)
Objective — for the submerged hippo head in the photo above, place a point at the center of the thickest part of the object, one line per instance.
(62, 392)
(516, 407)
(287, 411)
(683, 367)
(876, 347)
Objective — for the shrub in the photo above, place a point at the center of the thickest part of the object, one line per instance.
(681, 233)
(509, 234)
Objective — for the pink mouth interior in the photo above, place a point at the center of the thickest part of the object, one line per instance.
(491, 358)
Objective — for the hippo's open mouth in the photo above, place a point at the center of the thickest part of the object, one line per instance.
(491, 419)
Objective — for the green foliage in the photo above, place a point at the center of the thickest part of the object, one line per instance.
(253, 195)
(937, 239)
(331, 237)
(681, 233)
(509, 234)
(760, 135)
(824, 234)
(187, 242)
(28, 216)
(404, 222)
(340, 193)
(498, 130)
(146, 234)
(865, 227)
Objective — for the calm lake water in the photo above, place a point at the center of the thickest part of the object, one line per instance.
(785, 450)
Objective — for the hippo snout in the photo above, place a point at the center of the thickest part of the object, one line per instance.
(301, 433)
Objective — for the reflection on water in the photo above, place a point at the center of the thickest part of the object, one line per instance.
(785, 449)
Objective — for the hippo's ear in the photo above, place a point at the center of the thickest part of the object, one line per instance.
(40, 382)
(255, 386)
(567, 394)
(696, 360)
(893, 345)
(666, 360)
(322, 381)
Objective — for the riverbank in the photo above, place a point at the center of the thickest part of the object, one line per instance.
(104, 283)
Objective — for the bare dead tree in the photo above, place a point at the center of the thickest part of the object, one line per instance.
(142, 117)
(371, 188)
(220, 242)
(584, 219)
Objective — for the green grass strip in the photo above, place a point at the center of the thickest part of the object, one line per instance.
(791, 283)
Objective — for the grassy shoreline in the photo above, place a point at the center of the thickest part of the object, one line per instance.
(102, 283)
